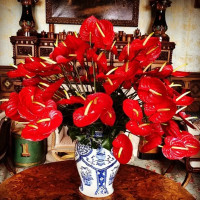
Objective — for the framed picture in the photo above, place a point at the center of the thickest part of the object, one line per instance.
(119, 12)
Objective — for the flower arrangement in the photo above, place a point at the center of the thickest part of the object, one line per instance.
(76, 87)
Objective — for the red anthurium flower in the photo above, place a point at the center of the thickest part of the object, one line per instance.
(180, 74)
(41, 129)
(161, 73)
(170, 91)
(108, 116)
(151, 90)
(49, 91)
(100, 99)
(41, 108)
(161, 112)
(171, 128)
(128, 70)
(55, 70)
(132, 109)
(87, 29)
(122, 148)
(37, 66)
(104, 34)
(166, 71)
(20, 72)
(183, 100)
(191, 143)
(95, 105)
(11, 107)
(152, 142)
(157, 129)
(26, 97)
(184, 116)
(80, 52)
(111, 85)
(99, 32)
(91, 54)
(83, 118)
(101, 61)
(174, 148)
(32, 59)
(32, 81)
(32, 105)
(151, 50)
(60, 53)
(129, 51)
(142, 129)
(74, 43)
(71, 100)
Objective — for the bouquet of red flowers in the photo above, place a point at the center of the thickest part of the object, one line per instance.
(76, 87)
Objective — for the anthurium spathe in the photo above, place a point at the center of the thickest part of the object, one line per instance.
(11, 107)
(122, 148)
(96, 105)
(152, 141)
(20, 72)
(183, 100)
(71, 100)
(150, 51)
(43, 127)
(108, 116)
(151, 90)
(174, 148)
(99, 32)
(141, 129)
(160, 112)
(82, 117)
(171, 128)
(132, 109)
(60, 53)
(190, 142)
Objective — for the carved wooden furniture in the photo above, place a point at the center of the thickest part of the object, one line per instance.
(7, 85)
(60, 180)
(23, 46)
(192, 83)
(192, 166)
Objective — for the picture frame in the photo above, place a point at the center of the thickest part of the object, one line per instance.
(119, 12)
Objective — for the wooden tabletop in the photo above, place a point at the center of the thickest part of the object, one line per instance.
(60, 181)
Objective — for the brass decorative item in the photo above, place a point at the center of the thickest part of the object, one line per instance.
(160, 26)
(27, 22)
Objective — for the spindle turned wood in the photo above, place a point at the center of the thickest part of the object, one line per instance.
(60, 180)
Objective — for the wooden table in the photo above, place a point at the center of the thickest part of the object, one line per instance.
(61, 181)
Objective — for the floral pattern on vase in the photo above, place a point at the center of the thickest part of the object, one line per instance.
(97, 169)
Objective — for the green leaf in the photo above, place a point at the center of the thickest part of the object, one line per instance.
(107, 144)
(80, 138)
(73, 132)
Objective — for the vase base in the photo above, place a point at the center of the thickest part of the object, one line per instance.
(91, 197)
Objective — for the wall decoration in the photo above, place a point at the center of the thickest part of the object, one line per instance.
(119, 12)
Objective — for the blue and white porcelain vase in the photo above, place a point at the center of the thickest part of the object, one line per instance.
(97, 169)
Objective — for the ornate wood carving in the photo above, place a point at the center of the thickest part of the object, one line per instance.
(164, 55)
(45, 51)
(192, 83)
(24, 50)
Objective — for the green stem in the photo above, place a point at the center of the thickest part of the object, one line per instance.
(79, 78)
(94, 75)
